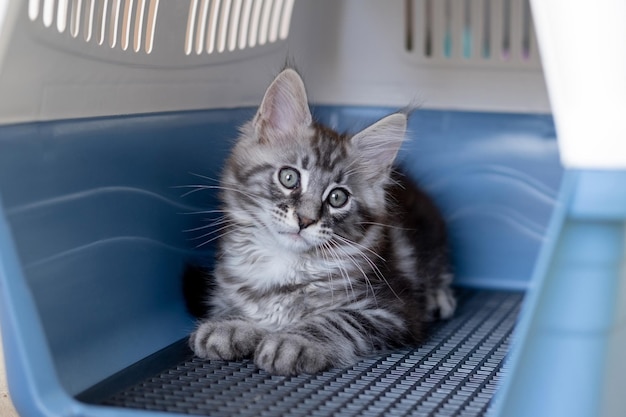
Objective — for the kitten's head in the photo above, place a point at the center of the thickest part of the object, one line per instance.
(303, 184)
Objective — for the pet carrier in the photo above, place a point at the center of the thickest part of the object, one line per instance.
(107, 107)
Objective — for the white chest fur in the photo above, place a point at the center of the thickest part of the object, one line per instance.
(273, 286)
(264, 266)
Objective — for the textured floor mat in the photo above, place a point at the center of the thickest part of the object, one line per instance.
(455, 373)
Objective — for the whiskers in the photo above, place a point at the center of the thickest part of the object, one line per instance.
(386, 225)
(194, 188)
(219, 222)
(333, 258)
(215, 229)
(214, 184)
(215, 234)
(364, 259)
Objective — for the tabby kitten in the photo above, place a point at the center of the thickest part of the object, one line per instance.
(328, 253)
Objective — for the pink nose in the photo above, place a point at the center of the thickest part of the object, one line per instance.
(304, 222)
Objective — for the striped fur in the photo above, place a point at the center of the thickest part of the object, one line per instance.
(306, 279)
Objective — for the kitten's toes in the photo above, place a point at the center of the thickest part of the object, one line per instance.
(446, 303)
(225, 340)
(289, 354)
(441, 302)
(443, 305)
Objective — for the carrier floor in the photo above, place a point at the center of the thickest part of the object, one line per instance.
(455, 372)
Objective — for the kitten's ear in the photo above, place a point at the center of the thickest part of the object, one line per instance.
(379, 143)
(284, 108)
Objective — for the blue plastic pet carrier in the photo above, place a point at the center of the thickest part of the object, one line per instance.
(108, 107)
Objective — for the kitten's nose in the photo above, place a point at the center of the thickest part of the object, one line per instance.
(304, 222)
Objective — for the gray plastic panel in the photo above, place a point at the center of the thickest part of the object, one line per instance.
(455, 372)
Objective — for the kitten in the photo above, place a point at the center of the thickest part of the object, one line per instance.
(328, 253)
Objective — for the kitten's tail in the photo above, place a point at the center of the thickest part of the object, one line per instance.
(196, 289)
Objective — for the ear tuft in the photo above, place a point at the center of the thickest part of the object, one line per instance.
(284, 108)
(379, 143)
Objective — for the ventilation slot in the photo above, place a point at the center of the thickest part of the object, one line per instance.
(487, 31)
(217, 26)
(125, 24)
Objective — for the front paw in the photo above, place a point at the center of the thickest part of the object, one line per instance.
(290, 354)
(226, 340)
(441, 304)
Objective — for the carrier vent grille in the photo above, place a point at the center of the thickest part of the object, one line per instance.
(125, 24)
(495, 32)
(216, 26)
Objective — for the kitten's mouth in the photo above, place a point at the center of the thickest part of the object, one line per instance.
(295, 238)
(292, 235)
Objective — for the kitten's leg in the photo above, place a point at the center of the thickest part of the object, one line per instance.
(225, 339)
(332, 339)
(441, 300)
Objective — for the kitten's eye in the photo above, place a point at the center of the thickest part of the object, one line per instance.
(338, 197)
(289, 178)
